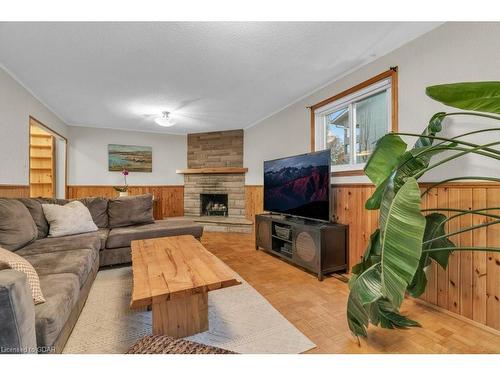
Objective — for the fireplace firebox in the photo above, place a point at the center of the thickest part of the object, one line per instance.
(213, 205)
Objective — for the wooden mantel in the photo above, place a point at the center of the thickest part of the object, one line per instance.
(219, 170)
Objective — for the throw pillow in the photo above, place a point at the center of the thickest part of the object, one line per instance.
(8, 259)
(17, 227)
(72, 218)
(125, 211)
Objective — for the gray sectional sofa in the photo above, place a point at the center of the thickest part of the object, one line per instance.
(67, 266)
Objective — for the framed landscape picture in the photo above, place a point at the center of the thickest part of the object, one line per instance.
(132, 158)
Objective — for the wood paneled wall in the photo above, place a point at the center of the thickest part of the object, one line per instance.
(169, 198)
(470, 287)
(14, 191)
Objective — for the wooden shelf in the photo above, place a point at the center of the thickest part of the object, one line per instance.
(281, 239)
(41, 183)
(41, 157)
(41, 169)
(220, 170)
(42, 146)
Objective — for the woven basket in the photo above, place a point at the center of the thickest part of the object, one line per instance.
(158, 344)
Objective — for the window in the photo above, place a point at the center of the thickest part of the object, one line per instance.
(351, 123)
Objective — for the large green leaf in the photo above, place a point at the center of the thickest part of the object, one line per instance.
(474, 96)
(381, 165)
(402, 229)
(409, 163)
(384, 158)
(370, 257)
(434, 127)
(365, 290)
(384, 313)
(434, 228)
(419, 282)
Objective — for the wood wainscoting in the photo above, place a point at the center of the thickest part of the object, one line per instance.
(14, 191)
(470, 287)
(169, 198)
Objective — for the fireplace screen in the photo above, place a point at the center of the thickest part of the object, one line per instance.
(213, 204)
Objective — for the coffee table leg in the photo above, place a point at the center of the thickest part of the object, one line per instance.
(181, 317)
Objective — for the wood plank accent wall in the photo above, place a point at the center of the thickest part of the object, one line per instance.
(14, 191)
(470, 287)
(169, 198)
(215, 149)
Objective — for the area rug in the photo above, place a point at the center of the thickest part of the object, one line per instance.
(240, 320)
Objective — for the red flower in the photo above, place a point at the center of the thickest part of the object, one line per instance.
(125, 172)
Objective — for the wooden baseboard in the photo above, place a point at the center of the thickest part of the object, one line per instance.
(456, 316)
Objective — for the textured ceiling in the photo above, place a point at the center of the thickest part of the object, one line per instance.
(211, 76)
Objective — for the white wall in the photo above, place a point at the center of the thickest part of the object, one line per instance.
(88, 157)
(60, 168)
(453, 52)
(16, 105)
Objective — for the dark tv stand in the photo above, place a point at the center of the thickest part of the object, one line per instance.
(318, 247)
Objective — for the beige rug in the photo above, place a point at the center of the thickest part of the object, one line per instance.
(240, 320)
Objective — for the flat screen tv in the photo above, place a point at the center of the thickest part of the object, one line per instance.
(299, 185)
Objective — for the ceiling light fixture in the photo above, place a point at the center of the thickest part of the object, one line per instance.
(164, 120)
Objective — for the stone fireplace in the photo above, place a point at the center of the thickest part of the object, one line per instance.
(214, 183)
(233, 186)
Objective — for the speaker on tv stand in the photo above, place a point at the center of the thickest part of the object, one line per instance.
(318, 247)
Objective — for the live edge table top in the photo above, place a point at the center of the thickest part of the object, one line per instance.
(174, 268)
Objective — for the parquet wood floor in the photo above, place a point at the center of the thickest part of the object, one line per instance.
(318, 308)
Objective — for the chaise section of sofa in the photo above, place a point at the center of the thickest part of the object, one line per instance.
(118, 250)
(67, 267)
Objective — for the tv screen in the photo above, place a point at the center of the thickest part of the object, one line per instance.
(299, 185)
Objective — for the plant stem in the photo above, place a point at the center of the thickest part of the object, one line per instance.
(460, 248)
(462, 230)
(458, 179)
(418, 175)
(470, 133)
(471, 114)
(465, 212)
(451, 140)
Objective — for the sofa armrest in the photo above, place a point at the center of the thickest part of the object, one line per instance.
(17, 314)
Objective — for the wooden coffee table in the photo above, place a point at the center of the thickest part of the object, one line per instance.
(174, 276)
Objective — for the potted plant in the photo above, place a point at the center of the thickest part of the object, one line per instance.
(408, 238)
(123, 190)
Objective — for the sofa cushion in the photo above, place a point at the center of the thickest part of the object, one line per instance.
(121, 237)
(34, 205)
(78, 262)
(98, 208)
(17, 227)
(72, 218)
(61, 293)
(92, 240)
(118, 255)
(124, 211)
(9, 259)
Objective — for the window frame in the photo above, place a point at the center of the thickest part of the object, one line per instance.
(381, 82)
